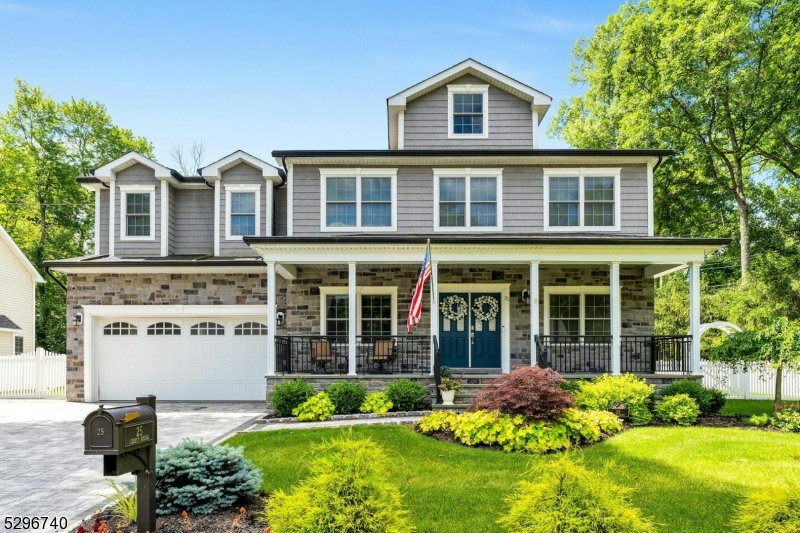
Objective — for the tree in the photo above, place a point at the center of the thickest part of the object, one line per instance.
(44, 146)
(188, 164)
(713, 79)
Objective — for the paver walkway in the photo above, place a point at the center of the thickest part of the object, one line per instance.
(42, 467)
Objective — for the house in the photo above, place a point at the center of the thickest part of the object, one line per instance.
(202, 286)
(18, 279)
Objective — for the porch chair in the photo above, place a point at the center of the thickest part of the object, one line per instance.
(382, 353)
(321, 354)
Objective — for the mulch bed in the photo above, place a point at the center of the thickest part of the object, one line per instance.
(217, 522)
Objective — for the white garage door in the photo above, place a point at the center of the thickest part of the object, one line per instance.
(182, 359)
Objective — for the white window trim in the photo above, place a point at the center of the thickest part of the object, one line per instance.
(581, 290)
(468, 89)
(14, 344)
(357, 173)
(241, 187)
(123, 211)
(467, 173)
(330, 291)
(581, 173)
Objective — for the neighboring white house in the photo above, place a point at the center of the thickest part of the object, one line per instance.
(18, 279)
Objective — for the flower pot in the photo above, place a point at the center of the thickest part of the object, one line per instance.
(448, 396)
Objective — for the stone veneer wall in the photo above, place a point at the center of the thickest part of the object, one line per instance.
(154, 289)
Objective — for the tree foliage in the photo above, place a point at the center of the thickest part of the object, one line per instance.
(44, 146)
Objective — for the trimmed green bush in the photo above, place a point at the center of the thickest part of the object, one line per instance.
(679, 408)
(566, 497)
(604, 392)
(786, 418)
(762, 420)
(347, 397)
(776, 510)
(317, 408)
(708, 400)
(197, 477)
(377, 403)
(407, 395)
(346, 492)
(288, 395)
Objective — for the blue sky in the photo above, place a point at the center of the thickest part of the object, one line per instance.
(277, 75)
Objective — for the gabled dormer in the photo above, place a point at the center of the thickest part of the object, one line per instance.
(469, 105)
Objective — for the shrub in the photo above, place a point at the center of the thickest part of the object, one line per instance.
(445, 372)
(572, 386)
(564, 496)
(407, 395)
(377, 402)
(200, 478)
(762, 420)
(787, 418)
(520, 434)
(347, 491)
(347, 397)
(776, 510)
(318, 407)
(530, 391)
(606, 391)
(708, 400)
(288, 395)
(680, 408)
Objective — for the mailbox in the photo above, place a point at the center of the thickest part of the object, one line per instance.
(119, 430)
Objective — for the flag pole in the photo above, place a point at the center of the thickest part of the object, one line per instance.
(433, 287)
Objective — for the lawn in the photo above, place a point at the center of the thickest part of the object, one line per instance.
(687, 479)
(748, 407)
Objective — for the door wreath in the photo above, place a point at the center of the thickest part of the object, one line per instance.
(454, 308)
(478, 305)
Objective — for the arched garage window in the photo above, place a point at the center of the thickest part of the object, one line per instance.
(119, 328)
(250, 328)
(163, 328)
(207, 328)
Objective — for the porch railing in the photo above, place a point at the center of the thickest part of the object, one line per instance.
(329, 354)
(589, 354)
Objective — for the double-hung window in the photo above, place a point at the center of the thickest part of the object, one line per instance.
(137, 207)
(19, 344)
(358, 198)
(468, 199)
(243, 204)
(467, 111)
(582, 198)
(376, 311)
(578, 310)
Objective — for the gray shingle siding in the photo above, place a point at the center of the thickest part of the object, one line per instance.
(142, 175)
(241, 173)
(194, 213)
(280, 212)
(523, 197)
(510, 120)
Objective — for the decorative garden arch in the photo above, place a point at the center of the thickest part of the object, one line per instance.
(726, 327)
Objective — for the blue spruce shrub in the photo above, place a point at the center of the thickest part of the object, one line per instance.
(200, 478)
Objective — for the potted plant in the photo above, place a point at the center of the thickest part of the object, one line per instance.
(449, 386)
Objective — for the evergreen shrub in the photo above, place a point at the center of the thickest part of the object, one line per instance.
(197, 477)
(708, 400)
(377, 402)
(346, 492)
(775, 510)
(317, 408)
(529, 391)
(407, 395)
(347, 397)
(288, 395)
(606, 391)
(679, 408)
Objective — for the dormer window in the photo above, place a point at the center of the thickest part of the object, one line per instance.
(243, 205)
(468, 111)
(137, 203)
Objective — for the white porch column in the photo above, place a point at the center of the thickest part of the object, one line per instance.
(534, 305)
(694, 314)
(434, 307)
(112, 191)
(272, 323)
(616, 320)
(352, 322)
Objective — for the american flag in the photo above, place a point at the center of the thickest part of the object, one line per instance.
(415, 311)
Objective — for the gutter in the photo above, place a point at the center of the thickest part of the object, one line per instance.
(471, 152)
(50, 274)
(493, 239)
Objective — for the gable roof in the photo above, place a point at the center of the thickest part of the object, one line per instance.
(215, 169)
(6, 324)
(110, 169)
(5, 237)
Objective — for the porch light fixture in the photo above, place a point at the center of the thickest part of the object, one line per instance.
(280, 317)
(77, 320)
(525, 297)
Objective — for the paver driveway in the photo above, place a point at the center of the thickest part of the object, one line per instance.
(42, 467)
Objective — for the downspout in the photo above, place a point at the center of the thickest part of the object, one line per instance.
(283, 175)
(51, 276)
(660, 159)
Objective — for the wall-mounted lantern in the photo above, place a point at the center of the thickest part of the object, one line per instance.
(525, 297)
(77, 320)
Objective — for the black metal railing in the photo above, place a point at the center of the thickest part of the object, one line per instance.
(575, 354)
(656, 354)
(329, 354)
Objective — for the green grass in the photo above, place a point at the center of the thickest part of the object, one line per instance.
(687, 479)
(748, 407)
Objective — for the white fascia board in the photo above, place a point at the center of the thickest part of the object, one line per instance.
(538, 98)
(21, 257)
(657, 271)
(174, 310)
(215, 169)
(109, 170)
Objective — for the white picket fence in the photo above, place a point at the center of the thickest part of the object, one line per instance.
(757, 384)
(39, 374)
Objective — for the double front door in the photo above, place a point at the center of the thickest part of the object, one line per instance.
(470, 329)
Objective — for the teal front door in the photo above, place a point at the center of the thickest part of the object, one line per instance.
(470, 330)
